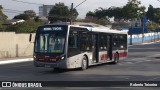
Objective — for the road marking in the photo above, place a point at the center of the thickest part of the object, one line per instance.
(148, 60)
(129, 62)
(15, 61)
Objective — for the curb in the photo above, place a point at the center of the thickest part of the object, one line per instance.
(15, 61)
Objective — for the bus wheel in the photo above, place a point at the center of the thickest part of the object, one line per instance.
(116, 58)
(84, 63)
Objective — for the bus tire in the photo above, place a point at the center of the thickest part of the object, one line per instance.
(116, 58)
(84, 64)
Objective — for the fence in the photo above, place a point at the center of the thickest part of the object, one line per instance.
(148, 37)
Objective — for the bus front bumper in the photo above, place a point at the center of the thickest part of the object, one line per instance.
(60, 64)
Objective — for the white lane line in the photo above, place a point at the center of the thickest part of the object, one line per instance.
(129, 62)
(15, 61)
(149, 60)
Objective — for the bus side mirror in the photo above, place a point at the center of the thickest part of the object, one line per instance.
(30, 37)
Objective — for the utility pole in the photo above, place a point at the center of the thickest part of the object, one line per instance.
(71, 11)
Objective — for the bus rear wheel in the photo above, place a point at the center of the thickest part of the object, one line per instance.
(116, 58)
(84, 63)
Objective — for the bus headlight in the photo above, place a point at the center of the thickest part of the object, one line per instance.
(59, 58)
(34, 56)
(62, 57)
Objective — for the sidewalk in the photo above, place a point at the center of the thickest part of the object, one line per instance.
(14, 60)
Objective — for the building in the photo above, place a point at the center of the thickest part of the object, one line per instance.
(44, 10)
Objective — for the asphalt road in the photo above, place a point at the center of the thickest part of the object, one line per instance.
(142, 64)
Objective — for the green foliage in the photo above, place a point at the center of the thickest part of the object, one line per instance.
(153, 14)
(156, 15)
(116, 12)
(99, 17)
(30, 13)
(150, 13)
(130, 11)
(90, 13)
(25, 27)
(2, 15)
(22, 16)
(26, 15)
(102, 21)
(1, 27)
(133, 10)
(2, 18)
(62, 12)
(152, 27)
(36, 19)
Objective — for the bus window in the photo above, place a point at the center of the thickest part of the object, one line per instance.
(73, 40)
(102, 42)
(86, 41)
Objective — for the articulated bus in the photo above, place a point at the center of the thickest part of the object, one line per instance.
(73, 46)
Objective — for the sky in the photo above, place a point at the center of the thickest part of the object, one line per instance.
(88, 5)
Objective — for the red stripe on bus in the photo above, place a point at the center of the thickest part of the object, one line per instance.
(123, 54)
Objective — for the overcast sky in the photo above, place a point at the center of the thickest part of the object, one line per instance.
(89, 5)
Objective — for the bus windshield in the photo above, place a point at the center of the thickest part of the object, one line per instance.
(50, 40)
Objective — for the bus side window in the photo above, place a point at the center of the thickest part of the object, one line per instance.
(85, 39)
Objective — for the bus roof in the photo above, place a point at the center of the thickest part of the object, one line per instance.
(101, 29)
(94, 28)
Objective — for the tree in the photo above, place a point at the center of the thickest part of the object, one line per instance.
(132, 10)
(2, 15)
(100, 13)
(153, 14)
(156, 15)
(90, 13)
(30, 13)
(62, 13)
(22, 16)
(26, 15)
(98, 17)
(116, 12)
(150, 13)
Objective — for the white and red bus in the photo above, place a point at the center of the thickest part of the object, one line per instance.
(72, 46)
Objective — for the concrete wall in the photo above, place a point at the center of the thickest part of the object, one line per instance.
(15, 45)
